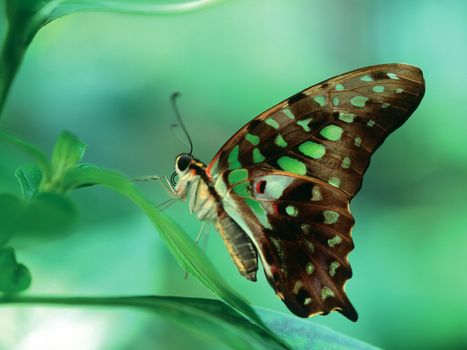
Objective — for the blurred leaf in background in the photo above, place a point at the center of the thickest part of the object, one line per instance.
(107, 78)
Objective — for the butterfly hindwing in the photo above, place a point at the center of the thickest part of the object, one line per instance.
(329, 130)
(302, 230)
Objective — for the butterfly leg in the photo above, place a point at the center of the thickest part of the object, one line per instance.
(163, 180)
(198, 238)
(200, 232)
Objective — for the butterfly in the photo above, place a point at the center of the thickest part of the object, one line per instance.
(279, 189)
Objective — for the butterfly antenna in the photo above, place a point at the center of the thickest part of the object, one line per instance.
(173, 98)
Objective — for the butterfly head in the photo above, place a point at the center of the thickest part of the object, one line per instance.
(188, 169)
(183, 164)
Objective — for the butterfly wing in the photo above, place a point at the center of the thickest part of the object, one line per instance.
(286, 178)
(329, 130)
(302, 230)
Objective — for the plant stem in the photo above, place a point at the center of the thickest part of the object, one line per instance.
(11, 57)
(83, 301)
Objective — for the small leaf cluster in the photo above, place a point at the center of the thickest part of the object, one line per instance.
(43, 210)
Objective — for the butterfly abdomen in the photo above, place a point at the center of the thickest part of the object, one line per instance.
(238, 244)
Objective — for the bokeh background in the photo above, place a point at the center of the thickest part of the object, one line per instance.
(108, 78)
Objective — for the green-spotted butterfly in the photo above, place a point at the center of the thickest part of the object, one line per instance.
(280, 187)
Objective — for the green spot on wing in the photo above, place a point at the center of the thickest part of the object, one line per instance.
(332, 132)
(232, 159)
(334, 241)
(253, 139)
(257, 156)
(321, 100)
(288, 113)
(346, 162)
(316, 194)
(339, 87)
(305, 124)
(312, 149)
(242, 189)
(292, 165)
(359, 101)
(347, 117)
(378, 88)
(296, 288)
(358, 141)
(399, 90)
(238, 175)
(330, 216)
(392, 76)
(310, 246)
(310, 268)
(385, 105)
(335, 181)
(366, 77)
(279, 141)
(326, 292)
(291, 210)
(335, 101)
(273, 123)
(333, 267)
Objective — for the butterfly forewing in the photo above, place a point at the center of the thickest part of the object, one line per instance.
(329, 130)
(286, 178)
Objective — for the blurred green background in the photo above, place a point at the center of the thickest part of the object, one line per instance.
(108, 78)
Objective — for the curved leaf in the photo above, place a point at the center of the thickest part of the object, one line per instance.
(60, 8)
(29, 177)
(35, 153)
(68, 151)
(220, 322)
(305, 334)
(188, 254)
(211, 318)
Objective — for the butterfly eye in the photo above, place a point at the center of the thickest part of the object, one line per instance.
(183, 161)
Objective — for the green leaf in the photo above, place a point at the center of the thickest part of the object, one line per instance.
(67, 153)
(188, 255)
(141, 7)
(35, 153)
(14, 277)
(48, 215)
(305, 334)
(29, 177)
(211, 318)
(219, 322)
(12, 209)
